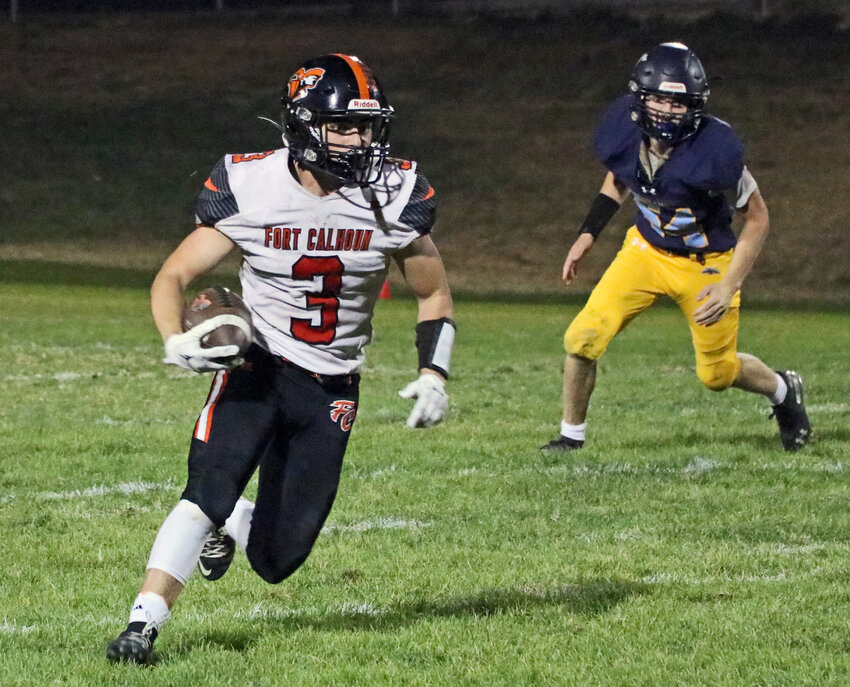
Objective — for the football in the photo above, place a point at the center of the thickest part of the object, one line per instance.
(215, 301)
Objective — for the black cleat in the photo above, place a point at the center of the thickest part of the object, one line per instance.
(217, 555)
(794, 427)
(563, 443)
(132, 646)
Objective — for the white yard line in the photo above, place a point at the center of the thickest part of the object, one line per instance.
(379, 524)
(12, 628)
(62, 377)
(124, 488)
(677, 578)
(829, 408)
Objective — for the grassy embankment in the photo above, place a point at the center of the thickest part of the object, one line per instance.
(112, 123)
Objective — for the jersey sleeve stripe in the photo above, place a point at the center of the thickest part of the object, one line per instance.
(420, 213)
(216, 201)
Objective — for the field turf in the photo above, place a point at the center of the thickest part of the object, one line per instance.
(682, 546)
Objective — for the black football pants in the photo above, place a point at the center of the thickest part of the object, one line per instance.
(295, 426)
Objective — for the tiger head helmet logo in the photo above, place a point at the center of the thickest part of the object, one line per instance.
(303, 81)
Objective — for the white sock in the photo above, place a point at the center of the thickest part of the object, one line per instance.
(180, 540)
(238, 525)
(780, 393)
(150, 608)
(573, 431)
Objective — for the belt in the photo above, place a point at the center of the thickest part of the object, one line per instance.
(698, 256)
(330, 382)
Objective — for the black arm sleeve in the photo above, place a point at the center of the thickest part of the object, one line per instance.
(603, 209)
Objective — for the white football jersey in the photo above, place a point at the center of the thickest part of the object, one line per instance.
(313, 266)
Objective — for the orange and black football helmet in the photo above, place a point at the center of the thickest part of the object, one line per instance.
(336, 88)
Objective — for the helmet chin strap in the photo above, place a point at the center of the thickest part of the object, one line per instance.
(276, 125)
(326, 182)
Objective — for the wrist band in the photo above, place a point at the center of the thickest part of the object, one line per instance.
(600, 213)
(434, 341)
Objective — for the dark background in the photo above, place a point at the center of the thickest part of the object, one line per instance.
(112, 120)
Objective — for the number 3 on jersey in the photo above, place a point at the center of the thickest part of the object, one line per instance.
(330, 269)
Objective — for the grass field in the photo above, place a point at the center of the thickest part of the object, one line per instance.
(680, 547)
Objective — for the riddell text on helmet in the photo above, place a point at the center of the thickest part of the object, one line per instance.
(297, 239)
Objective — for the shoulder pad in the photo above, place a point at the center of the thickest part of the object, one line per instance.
(397, 163)
(237, 158)
(617, 132)
(420, 213)
(718, 156)
(216, 201)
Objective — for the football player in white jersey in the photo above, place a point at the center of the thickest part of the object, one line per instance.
(316, 223)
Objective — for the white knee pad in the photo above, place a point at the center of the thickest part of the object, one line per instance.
(180, 540)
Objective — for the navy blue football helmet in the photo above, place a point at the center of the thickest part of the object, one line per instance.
(669, 70)
(334, 90)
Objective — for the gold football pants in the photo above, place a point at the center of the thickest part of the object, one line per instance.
(638, 275)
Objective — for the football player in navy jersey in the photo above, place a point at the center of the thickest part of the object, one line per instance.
(686, 173)
(316, 223)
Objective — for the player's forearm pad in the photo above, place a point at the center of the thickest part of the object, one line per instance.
(434, 341)
(600, 213)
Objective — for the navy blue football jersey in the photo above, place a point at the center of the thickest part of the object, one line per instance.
(683, 207)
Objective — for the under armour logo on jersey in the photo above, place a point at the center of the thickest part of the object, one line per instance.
(304, 80)
(343, 412)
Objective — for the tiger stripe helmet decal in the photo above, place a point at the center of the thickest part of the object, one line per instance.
(303, 81)
(364, 77)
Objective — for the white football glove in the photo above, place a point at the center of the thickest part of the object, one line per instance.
(432, 401)
(185, 349)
